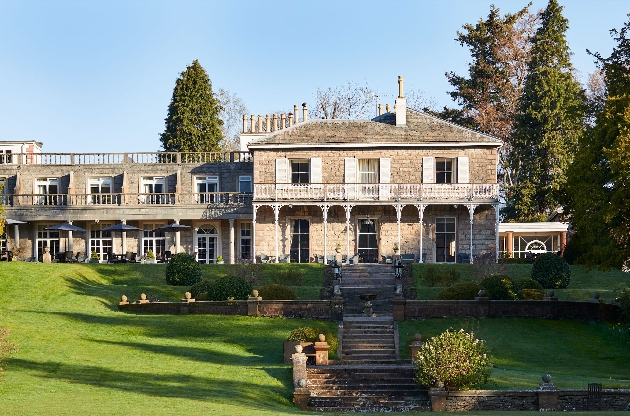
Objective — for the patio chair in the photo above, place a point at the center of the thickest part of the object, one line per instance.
(264, 258)
(330, 259)
(354, 259)
(463, 258)
(284, 258)
(386, 259)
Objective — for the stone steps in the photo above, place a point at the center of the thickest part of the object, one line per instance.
(368, 339)
(361, 388)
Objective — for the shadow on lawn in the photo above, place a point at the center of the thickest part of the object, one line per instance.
(182, 386)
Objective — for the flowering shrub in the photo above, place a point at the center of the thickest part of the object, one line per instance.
(454, 359)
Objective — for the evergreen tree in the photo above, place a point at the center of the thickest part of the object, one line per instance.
(193, 123)
(597, 189)
(549, 123)
(488, 96)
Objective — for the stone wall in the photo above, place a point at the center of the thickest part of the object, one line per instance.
(484, 308)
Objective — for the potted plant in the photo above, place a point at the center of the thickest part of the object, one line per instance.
(338, 248)
(150, 257)
(396, 248)
(94, 257)
(220, 260)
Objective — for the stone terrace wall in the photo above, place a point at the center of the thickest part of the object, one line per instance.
(482, 308)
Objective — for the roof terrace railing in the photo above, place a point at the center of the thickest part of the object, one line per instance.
(125, 158)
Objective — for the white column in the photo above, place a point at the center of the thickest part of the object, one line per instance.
(471, 211)
(177, 239)
(398, 209)
(325, 209)
(254, 209)
(496, 230)
(421, 208)
(123, 236)
(276, 213)
(232, 241)
(70, 246)
(348, 208)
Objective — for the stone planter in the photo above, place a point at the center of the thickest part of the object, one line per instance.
(220, 262)
(150, 261)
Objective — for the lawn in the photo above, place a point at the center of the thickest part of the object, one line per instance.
(79, 354)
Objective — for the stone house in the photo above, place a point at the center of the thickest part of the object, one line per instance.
(403, 183)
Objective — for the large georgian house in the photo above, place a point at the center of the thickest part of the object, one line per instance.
(299, 190)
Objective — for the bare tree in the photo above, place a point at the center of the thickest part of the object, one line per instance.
(232, 116)
(596, 94)
(348, 101)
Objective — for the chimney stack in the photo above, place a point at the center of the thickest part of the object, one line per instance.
(400, 107)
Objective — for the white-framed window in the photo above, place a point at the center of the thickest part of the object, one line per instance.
(299, 171)
(207, 243)
(445, 240)
(47, 238)
(6, 157)
(101, 241)
(206, 188)
(246, 241)
(47, 191)
(153, 240)
(100, 190)
(245, 184)
(444, 170)
(154, 190)
(368, 171)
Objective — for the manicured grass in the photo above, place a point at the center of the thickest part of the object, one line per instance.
(79, 355)
(583, 281)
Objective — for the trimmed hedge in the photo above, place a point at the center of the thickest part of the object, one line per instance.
(459, 291)
(182, 270)
(276, 292)
(528, 289)
(199, 288)
(229, 287)
(498, 287)
(551, 271)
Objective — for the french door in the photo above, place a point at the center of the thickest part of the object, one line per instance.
(300, 241)
(367, 241)
(445, 240)
(207, 244)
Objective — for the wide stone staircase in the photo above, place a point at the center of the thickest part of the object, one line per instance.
(369, 377)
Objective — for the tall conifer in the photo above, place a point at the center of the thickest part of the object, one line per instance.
(549, 123)
(193, 123)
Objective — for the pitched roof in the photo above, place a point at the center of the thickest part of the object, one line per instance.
(421, 129)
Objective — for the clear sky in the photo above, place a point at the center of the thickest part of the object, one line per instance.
(98, 75)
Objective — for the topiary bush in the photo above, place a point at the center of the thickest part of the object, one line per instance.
(229, 286)
(498, 287)
(439, 276)
(528, 289)
(183, 270)
(311, 334)
(453, 359)
(551, 271)
(459, 291)
(276, 292)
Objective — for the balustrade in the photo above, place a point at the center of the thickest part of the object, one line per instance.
(124, 158)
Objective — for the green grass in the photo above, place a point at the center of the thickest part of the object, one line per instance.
(79, 354)
(583, 281)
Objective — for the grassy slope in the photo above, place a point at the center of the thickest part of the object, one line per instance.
(79, 354)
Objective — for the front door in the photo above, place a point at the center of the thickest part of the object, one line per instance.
(445, 240)
(367, 241)
(300, 241)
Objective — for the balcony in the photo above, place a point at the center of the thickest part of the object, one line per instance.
(119, 199)
(377, 192)
(124, 158)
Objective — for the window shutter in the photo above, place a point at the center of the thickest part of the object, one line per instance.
(316, 172)
(350, 176)
(462, 170)
(384, 178)
(427, 170)
(282, 170)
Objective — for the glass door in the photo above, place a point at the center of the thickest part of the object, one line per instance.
(367, 241)
(300, 241)
(207, 237)
(445, 240)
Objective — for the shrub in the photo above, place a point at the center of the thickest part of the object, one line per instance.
(453, 359)
(229, 286)
(439, 276)
(528, 289)
(182, 270)
(311, 334)
(150, 255)
(459, 291)
(551, 271)
(276, 292)
(198, 288)
(623, 300)
(498, 287)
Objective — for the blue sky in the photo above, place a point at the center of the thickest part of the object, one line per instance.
(97, 76)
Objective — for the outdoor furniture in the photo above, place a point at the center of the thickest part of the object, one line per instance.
(354, 259)
(131, 257)
(68, 257)
(407, 258)
(594, 396)
(165, 257)
(6, 255)
(284, 258)
(387, 259)
(463, 258)
(263, 258)
(330, 258)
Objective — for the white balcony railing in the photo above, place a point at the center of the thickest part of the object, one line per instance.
(375, 192)
(123, 158)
